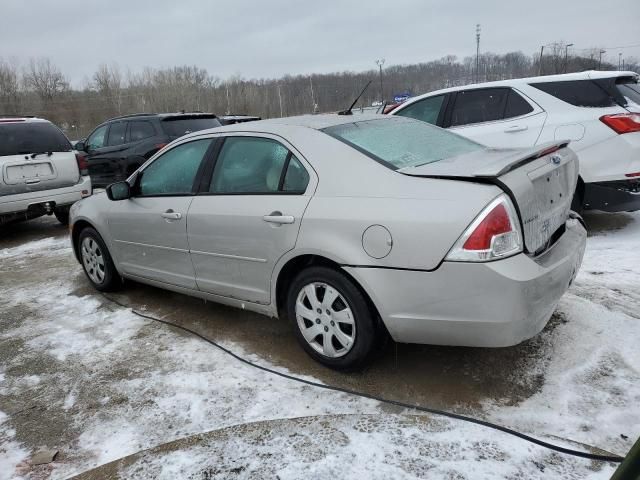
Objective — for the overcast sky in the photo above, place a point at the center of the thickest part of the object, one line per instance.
(269, 38)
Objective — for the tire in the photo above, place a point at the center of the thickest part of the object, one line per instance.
(577, 202)
(96, 261)
(338, 345)
(62, 214)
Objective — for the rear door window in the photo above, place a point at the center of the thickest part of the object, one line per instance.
(31, 137)
(579, 93)
(427, 109)
(139, 130)
(250, 165)
(117, 132)
(478, 106)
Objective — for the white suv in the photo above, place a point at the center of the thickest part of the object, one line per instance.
(39, 171)
(598, 111)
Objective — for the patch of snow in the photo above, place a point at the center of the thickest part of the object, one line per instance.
(45, 246)
(12, 453)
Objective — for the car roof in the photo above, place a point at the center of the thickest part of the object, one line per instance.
(21, 119)
(564, 77)
(162, 115)
(281, 125)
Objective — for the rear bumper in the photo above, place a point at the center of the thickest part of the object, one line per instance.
(494, 304)
(614, 196)
(11, 204)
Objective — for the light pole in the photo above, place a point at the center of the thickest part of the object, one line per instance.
(380, 63)
(540, 66)
(566, 55)
(600, 60)
(619, 61)
(477, 52)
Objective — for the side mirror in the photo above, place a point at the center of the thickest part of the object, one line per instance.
(80, 146)
(119, 191)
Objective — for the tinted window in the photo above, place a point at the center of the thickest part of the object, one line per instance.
(249, 165)
(26, 137)
(426, 110)
(140, 130)
(97, 138)
(174, 172)
(631, 93)
(402, 142)
(516, 105)
(581, 93)
(116, 134)
(179, 126)
(477, 106)
(296, 179)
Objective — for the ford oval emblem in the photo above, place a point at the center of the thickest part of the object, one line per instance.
(556, 159)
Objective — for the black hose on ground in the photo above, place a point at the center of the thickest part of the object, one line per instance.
(433, 411)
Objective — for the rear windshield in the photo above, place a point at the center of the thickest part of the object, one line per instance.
(179, 126)
(400, 142)
(630, 90)
(30, 137)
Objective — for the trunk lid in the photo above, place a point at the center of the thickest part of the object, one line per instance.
(541, 182)
(22, 173)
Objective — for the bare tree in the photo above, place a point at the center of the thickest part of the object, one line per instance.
(9, 88)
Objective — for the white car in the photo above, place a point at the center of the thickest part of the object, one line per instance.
(598, 111)
(39, 171)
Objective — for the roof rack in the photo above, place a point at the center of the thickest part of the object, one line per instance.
(12, 115)
(132, 115)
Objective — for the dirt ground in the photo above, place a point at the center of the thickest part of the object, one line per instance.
(46, 413)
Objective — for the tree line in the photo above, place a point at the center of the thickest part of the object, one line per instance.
(40, 88)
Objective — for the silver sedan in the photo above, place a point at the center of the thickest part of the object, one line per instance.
(354, 228)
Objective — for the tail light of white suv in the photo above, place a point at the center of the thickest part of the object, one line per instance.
(622, 122)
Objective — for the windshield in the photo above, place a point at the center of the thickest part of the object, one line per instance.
(31, 137)
(399, 142)
(179, 126)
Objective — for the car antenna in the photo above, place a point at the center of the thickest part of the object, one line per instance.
(348, 110)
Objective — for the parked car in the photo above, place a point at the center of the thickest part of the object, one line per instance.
(351, 226)
(117, 147)
(39, 172)
(598, 111)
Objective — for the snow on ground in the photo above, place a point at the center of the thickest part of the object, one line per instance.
(122, 383)
(591, 391)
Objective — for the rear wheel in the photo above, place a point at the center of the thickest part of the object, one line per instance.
(332, 319)
(62, 214)
(96, 261)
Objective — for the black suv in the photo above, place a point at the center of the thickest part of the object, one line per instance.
(117, 147)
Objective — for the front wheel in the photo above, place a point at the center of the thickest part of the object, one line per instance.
(97, 262)
(332, 319)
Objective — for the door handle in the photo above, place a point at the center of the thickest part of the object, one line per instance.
(278, 218)
(171, 215)
(516, 128)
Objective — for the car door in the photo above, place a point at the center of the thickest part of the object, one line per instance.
(248, 215)
(497, 117)
(150, 228)
(106, 153)
(429, 109)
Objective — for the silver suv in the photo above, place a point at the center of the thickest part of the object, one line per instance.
(39, 171)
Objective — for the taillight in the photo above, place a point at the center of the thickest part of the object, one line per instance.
(83, 165)
(160, 146)
(622, 122)
(495, 233)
